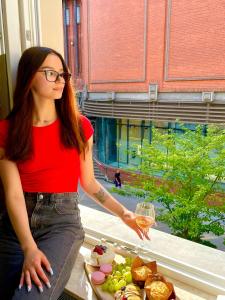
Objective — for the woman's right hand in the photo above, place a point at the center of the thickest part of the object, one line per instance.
(34, 260)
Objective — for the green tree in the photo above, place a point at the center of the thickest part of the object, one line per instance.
(184, 173)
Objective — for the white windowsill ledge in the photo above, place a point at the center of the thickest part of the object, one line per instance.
(197, 272)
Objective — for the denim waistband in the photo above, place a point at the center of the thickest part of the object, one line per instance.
(51, 196)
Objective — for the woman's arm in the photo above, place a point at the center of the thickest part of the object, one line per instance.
(15, 203)
(16, 208)
(97, 192)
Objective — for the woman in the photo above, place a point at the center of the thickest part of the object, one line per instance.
(45, 148)
(117, 179)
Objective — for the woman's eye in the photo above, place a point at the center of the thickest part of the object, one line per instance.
(51, 73)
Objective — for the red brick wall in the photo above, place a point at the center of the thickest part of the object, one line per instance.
(128, 177)
(113, 45)
(109, 172)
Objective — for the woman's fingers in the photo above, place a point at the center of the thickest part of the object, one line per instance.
(139, 233)
(28, 281)
(47, 265)
(42, 275)
(129, 218)
(142, 233)
(33, 270)
(35, 274)
(36, 279)
(146, 235)
(21, 280)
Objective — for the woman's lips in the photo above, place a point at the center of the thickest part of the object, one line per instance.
(58, 89)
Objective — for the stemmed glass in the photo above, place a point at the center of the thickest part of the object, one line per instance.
(145, 218)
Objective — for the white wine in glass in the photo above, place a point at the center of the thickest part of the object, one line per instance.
(145, 222)
(145, 218)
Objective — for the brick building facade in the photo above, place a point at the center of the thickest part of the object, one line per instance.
(148, 62)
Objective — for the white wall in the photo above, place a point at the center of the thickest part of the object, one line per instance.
(12, 39)
(26, 23)
(51, 24)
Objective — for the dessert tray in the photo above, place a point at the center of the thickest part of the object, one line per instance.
(113, 276)
(101, 295)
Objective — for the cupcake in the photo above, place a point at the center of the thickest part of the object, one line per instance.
(102, 254)
(158, 290)
(141, 273)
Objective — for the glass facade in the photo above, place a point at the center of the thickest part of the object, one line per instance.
(118, 140)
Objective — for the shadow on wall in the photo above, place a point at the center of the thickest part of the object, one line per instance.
(4, 92)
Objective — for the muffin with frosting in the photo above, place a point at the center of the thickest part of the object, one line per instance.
(102, 254)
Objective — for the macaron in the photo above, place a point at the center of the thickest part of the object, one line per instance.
(106, 269)
(97, 277)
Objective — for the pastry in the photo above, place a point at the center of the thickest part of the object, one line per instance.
(154, 277)
(97, 277)
(137, 262)
(102, 254)
(129, 292)
(158, 290)
(152, 266)
(141, 273)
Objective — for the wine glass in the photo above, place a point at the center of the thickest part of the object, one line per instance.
(145, 218)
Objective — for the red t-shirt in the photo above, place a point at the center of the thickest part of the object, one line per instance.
(53, 168)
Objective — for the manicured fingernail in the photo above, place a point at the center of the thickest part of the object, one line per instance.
(20, 286)
(48, 285)
(40, 289)
(29, 289)
(51, 271)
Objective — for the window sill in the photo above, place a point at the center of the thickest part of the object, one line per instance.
(197, 272)
(189, 265)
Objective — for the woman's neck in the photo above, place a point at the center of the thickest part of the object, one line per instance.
(44, 114)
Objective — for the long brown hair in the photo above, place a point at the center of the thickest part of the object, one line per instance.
(19, 146)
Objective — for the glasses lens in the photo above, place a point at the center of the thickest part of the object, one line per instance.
(51, 75)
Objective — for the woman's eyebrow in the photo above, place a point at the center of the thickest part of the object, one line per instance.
(50, 68)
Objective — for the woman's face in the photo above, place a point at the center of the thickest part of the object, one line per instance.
(41, 86)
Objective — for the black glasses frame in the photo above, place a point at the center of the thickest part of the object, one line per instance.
(65, 75)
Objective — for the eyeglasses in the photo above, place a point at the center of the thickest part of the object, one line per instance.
(53, 76)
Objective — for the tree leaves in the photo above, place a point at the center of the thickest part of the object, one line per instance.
(185, 174)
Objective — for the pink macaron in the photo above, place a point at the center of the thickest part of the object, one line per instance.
(97, 277)
(106, 269)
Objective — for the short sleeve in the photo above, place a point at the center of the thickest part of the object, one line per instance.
(87, 127)
(3, 132)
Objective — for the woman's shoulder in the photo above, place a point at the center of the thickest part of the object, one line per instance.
(87, 126)
(84, 119)
(86, 123)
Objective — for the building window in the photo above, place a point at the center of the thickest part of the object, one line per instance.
(72, 36)
(119, 142)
